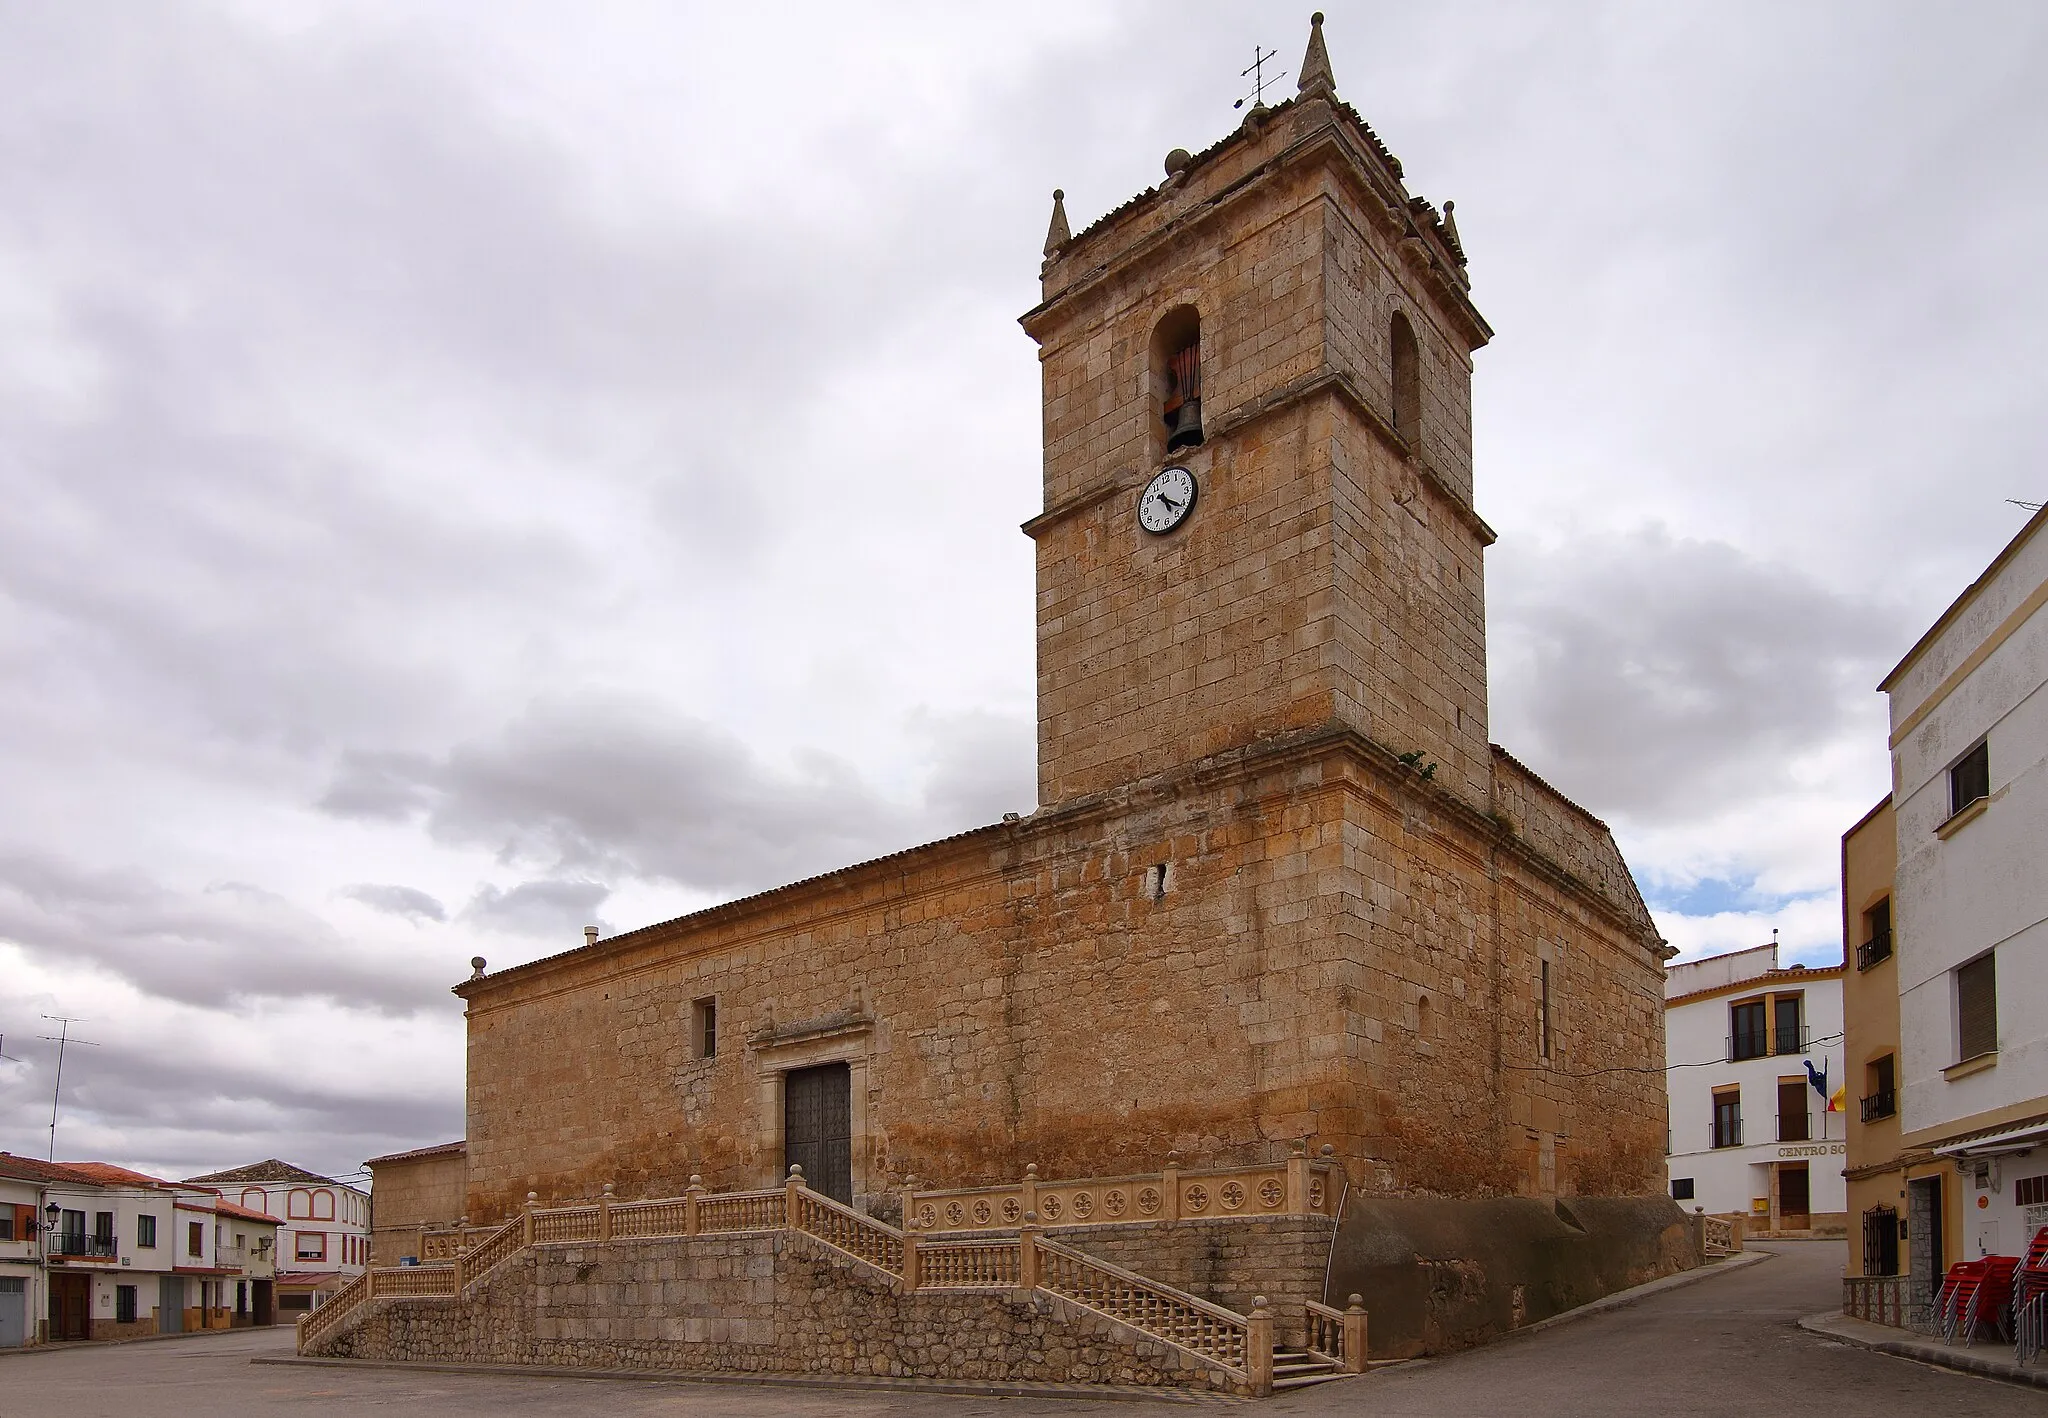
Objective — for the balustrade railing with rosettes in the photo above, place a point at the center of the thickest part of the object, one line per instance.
(1028, 1261)
(1300, 1186)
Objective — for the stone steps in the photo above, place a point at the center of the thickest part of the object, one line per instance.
(1297, 1368)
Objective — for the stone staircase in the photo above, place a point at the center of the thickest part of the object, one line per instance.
(789, 1280)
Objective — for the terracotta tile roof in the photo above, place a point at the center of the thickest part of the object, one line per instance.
(107, 1174)
(228, 1208)
(30, 1169)
(270, 1170)
(439, 1149)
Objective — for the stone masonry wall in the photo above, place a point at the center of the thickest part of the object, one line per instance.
(1340, 953)
(757, 1304)
(412, 1196)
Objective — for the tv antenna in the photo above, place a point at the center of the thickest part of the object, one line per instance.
(6, 1057)
(1256, 72)
(61, 1039)
(2030, 506)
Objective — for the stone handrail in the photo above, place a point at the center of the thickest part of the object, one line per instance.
(1221, 1336)
(317, 1323)
(1338, 1335)
(490, 1253)
(845, 1230)
(1300, 1186)
(1720, 1236)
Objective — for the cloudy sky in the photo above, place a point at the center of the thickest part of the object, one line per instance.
(474, 469)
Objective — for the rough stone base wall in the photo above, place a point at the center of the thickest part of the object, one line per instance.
(764, 1303)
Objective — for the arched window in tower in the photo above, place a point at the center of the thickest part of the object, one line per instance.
(1177, 377)
(1407, 380)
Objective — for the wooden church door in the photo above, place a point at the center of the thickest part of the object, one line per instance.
(817, 1128)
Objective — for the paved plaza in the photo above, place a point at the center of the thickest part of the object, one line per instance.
(1729, 1344)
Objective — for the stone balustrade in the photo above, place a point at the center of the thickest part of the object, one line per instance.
(1239, 1345)
(1300, 1186)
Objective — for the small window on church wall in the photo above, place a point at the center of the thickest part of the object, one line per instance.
(704, 1027)
(1177, 377)
(1543, 1012)
(1407, 379)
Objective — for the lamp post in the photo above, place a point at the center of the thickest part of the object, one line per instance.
(54, 1213)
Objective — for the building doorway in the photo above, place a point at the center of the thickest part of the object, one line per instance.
(170, 1304)
(1795, 1206)
(13, 1311)
(70, 1307)
(1925, 1258)
(266, 1302)
(817, 1128)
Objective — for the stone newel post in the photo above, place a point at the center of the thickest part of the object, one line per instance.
(526, 1216)
(604, 1213)
(795, 1190)
(1354, 1335)
(1027, 1253)
(1258, 1345)
(690, 1195)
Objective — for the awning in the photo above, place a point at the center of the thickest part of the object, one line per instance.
(2022, 1137)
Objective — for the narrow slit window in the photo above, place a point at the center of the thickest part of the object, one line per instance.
(1543, 1011)
(1407, 359)
(704, 1027)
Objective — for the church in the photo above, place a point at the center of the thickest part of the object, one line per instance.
(1281, 898)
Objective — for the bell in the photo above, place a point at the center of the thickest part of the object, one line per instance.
(1186, 431)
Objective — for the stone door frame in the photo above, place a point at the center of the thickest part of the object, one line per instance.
(773, 1055)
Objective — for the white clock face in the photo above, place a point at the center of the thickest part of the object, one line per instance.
(1166, 500)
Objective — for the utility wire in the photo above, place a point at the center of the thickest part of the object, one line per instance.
(1625, 1068)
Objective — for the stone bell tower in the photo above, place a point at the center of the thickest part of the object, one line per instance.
(1280, 320)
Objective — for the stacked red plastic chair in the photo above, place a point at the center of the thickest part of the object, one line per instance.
(1990, 1309)
(1958, 1290)
(2030, 1301)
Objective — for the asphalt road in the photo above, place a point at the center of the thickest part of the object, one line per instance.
(1727, 1345)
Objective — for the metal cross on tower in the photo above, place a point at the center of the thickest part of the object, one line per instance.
(1256, 72)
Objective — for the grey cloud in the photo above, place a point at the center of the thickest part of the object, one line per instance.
(621, 787)
(546, 909)
(1662, 678)
(407, 901)
(229, 944)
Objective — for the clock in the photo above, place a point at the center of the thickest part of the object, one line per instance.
(1166, 500)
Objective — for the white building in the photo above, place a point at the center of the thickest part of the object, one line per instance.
(1969, 737)
(324, 1234)
(1756, 1091)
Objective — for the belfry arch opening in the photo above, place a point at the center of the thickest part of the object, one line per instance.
(1407, 379)
(1177, 378)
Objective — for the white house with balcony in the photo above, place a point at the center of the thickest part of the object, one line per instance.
(1969, 741)
(1754, 1055)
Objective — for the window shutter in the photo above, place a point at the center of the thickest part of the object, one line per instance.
(1977, 1007)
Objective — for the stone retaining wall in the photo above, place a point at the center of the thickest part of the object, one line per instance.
(1225, 1261)
(759, 1303)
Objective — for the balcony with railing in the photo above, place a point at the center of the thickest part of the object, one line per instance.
(1874, 951)
(77, 1243)
(1725, 1130)
(1795, 1126)
(1881, 1104)
(1762, 1043)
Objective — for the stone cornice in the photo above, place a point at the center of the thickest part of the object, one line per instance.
(1002, 844)
(1327, 142)
(1251, 412)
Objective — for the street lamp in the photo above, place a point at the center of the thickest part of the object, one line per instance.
(54, 1212)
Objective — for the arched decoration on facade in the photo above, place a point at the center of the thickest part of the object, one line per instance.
(323, 1205)
(254, 1199)
(1407, 379)
(1177, 377)
(299, 1205)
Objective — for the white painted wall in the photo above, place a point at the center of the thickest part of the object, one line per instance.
(351, 1218)
(1728, 1179)
(1985, 888)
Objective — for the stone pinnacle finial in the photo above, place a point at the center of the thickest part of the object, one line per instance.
(1316, 79)
(1451, 229)
(1057, 235)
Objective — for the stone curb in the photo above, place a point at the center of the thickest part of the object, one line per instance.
(1886, 1340)
(1097, 1393)
(70, 1346)
(1741, 1260)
